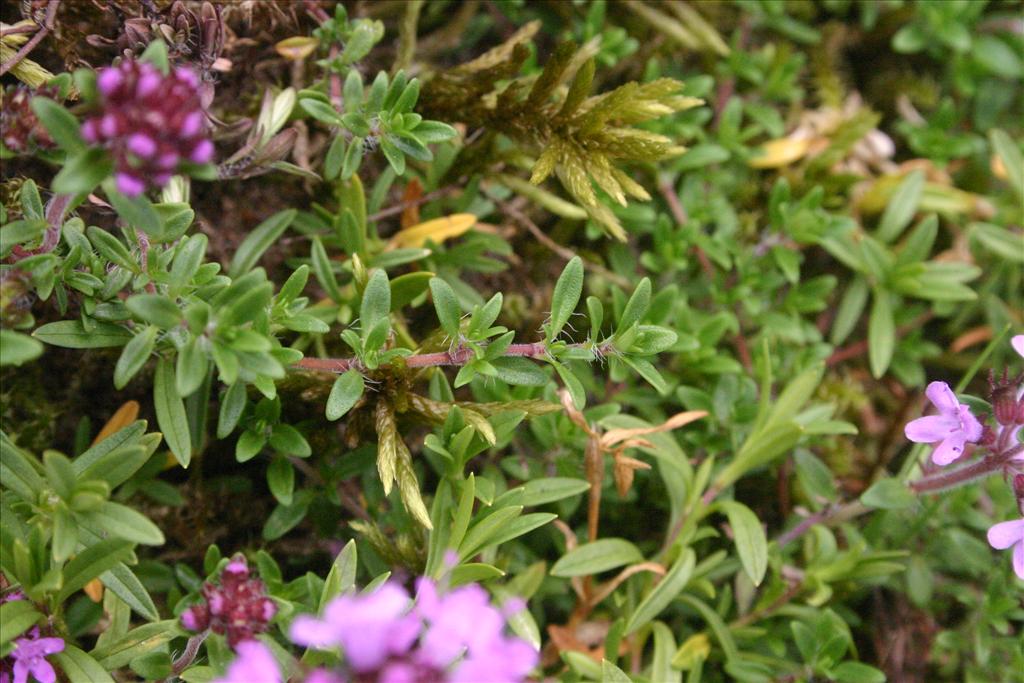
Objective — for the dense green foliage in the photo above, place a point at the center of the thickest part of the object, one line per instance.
(624, 305)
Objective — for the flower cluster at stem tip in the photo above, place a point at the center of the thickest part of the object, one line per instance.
(150, 123)
(29, 654)
(456, 636)
(955, 426)
(237, 608)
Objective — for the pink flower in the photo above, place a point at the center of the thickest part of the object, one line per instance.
(29, 657)
(1006, 534)
(254, 664)
(952, 428)
(238, 608)
(1017, 342)
(149, 123)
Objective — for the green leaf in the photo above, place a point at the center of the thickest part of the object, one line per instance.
(121, 581)
(596, 557)
(342, 577)
(287, 439)
(258, 241)
(80, 667)
(613, 674)
(175, 219)
(565, 297)
(902, 205)
(480, 533)
(376, 303)
(750, 540)
(664, 592)
(335, 156)
(881, 333)
(520, 372)
(636, 307)
(449, 313)
(321, 111)
(16, 617)
(134, 356)
(323, 270)
(21, 232)
(281, 480)
(136, 211)
(347, 389)
(124, 522)
(60, 124)
(855, 672)
(156, 54)
(136, 643)
(888, 494)
(998, 240)
(814, 476)
(231, 407)
(283, 519)
(191, 369)
(17, 348)
(70, 334)
(542, 491)
(849, 311)
(91, 562)
(155, 309)
(170, 413)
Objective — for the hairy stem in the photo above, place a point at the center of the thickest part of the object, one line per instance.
(455, 357)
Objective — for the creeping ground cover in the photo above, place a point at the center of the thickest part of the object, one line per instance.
(494, 341)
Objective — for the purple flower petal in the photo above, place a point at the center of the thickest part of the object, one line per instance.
(1018, 560)
(191, 124)
(141, 145)
(309, 631)
(129, 185)
(254, 664)
(1017, 342)
(930, 429)
(109, 80)
(1001, 536)
(202, 153)
(943, 397)
(949, 450)
(969, 424)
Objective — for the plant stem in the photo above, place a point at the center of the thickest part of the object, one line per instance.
(456, 357)
(189, 655)
(51, 13)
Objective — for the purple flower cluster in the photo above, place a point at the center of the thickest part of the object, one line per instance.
(955, 426)
(238, 608)
(20, 128)
(29, 654)
(149, 122)
(452, 637)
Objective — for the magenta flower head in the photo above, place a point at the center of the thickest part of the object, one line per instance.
(952, 428)
(238, 607)
(254, 664)
(29, 657)
(1010, 534)
(443, 637)
(149, 122)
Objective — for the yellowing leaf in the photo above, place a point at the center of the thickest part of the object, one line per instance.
(780, 152)
(296, 47)
(438, 230)
(94, 589)
(124, 416)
